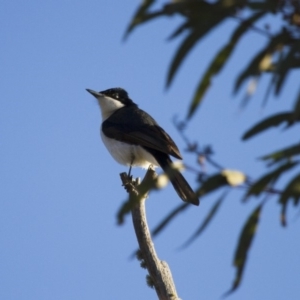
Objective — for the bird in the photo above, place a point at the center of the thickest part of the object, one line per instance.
(135, 139)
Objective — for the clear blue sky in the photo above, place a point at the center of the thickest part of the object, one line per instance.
(60, 189)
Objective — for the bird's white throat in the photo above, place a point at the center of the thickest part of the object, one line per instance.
(108, 106)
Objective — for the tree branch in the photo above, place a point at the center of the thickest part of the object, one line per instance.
(160, 274)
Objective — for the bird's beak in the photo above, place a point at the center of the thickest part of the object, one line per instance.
(95, 94)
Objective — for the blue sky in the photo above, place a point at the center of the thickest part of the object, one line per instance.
(60, 189)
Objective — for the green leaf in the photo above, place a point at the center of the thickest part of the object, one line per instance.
(141, 16)
(296, 115)
(282, 154)
(204, 17)
(266, 5)
(292, 191)
(213, 183)
(272, 121)
(269, 88)
(243, 247)
(169, 218)
(286, 64)
(206, 220)
(251, 70)
(214, 68)
(255, 68)
(125, 209)
(220, 60)
(262, 184)
(180, 30)
(181, 53)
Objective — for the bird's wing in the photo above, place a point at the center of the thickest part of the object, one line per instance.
(148, 135)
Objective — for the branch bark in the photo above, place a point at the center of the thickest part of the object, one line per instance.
(159, 271)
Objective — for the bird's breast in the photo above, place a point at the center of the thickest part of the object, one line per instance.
(124, 153)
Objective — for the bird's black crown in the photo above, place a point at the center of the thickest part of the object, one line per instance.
(118, 94)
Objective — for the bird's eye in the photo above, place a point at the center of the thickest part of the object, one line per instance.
(116, 96)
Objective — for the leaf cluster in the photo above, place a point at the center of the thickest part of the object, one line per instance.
(278, 57)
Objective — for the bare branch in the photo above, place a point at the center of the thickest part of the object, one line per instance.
(159, 271)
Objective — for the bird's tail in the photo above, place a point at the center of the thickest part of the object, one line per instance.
(179, 183)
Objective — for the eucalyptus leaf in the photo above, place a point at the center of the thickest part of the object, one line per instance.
(209, 217)
(244, 243)
(263, 183)
(141, 16)
(283, 154)
(291, 192)
(211, 184)
(273, 121)
(177, 210)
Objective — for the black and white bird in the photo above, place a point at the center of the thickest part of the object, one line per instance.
(134, 138)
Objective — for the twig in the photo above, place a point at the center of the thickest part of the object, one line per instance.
(159, 271)
(193, 147)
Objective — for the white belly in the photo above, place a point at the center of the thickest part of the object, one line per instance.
(123, 153)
